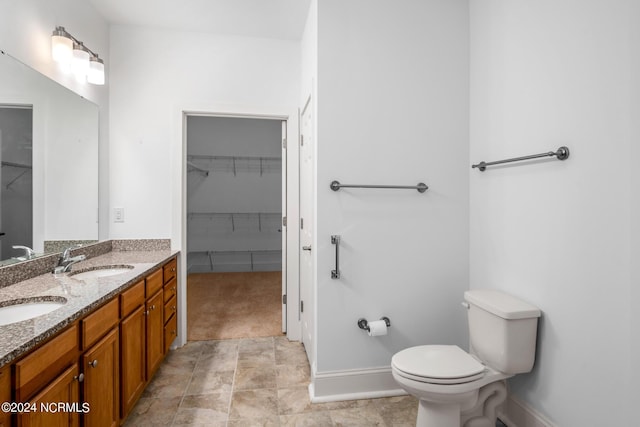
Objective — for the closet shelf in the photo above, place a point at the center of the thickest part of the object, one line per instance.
(235, 164)
(238, 221)
(16, 165)
(249, 260)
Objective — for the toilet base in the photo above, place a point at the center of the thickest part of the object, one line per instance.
(438, 415)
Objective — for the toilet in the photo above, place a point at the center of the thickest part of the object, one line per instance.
(460, 389)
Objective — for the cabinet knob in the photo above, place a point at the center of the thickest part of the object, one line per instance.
(173, 270)
(146, 313)
(79, 378)
(153, 307)
(173, 308)
(173, 289)
(94, 363)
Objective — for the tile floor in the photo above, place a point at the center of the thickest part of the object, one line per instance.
(252, 382)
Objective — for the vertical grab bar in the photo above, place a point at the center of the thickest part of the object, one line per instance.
(335, 240)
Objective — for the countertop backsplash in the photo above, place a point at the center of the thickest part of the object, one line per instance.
(15, 273)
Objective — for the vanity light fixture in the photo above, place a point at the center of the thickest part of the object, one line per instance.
(72, 54)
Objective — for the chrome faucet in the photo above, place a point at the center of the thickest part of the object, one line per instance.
(66, 260)
(28, 252)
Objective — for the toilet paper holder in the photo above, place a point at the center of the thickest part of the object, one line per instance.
(364, 324)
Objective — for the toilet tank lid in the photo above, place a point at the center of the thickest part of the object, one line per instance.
(501, 304)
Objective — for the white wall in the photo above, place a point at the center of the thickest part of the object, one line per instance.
(546, 74)
(392, 108)
(156, 73)
(25, 33)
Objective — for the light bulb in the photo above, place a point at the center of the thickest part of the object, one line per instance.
(61, 46)
(80, 62)
(96, 71)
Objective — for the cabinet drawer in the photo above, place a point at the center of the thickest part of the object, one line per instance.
(170, 289)
(99, 322)
(154, 283)
(131, 299)
(170, 269)
(170, 332)
(45, 363)
(170, 308)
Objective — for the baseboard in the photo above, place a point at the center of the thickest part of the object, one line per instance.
(516, 413)
(353, 385)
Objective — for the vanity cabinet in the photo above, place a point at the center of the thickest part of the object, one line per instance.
(41, 366)
(64, 388)
(100, 364)
(170, 291)
(155, 334)
(132, 346)
(101, 386)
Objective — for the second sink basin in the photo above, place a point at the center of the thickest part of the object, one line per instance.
(28, 308)
(101, 271)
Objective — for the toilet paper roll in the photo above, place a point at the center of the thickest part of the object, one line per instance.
(377, 328)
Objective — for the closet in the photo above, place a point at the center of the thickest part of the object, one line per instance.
(234, 193)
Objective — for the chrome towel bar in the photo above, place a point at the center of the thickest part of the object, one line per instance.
(561, 154)
(421, 186)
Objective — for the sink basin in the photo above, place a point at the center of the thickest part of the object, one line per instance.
(102, 271)
(28, 308)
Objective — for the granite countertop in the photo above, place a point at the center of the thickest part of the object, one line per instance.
(82, 297)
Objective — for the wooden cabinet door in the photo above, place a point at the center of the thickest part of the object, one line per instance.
(5, 395)
(155, 332)
(132, 351)
(101, 382)
(64, 388)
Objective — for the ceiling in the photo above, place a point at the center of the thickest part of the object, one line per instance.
(279, 19)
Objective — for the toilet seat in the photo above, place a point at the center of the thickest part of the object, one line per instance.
(437, 364)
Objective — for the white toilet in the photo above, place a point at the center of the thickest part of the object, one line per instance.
(460, 389)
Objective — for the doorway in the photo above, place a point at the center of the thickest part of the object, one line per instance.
(236, 244)
(16, 181)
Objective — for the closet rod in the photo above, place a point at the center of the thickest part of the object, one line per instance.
(421, 186)
(561, 154)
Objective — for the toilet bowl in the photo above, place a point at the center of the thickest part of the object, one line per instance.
(460, 389)
(446, 380)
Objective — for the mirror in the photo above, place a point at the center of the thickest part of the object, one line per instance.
(49, 164)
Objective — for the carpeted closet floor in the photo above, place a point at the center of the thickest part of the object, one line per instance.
(234, 305)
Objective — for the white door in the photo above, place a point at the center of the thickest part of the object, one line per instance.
(282, 226)
(306, 303)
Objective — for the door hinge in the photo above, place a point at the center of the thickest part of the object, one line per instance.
(301, 306)
(284, 143)
(301, 140)
(284, 299)
(301, 223)
(284, 221)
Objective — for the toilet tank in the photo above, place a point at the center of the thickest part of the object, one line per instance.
(502, 330)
